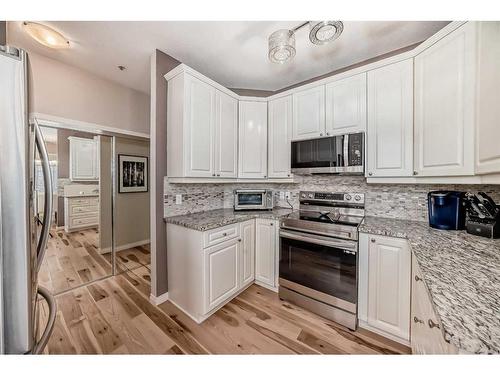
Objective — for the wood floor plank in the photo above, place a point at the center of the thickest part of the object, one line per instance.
(60, 341)
(167, 325)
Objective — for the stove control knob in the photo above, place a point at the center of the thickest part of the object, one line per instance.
(303, 195)
(347, 197)
(311, 196)
(357, 198)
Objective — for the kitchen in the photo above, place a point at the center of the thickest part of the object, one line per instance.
(352, 210)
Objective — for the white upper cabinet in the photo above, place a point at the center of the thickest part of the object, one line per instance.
(83, 159)
(309, 113)
(346, 105)
(390, 120)
(199, 128)
(445, 77)
(488, 111)
(252, 139)
(226, 135)
(280, 128)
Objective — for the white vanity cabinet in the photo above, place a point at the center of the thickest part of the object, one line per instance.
(390, 120)
(207, 269)
(266, 253)
(445, 85)
(280, 134)
(384, 286)
(202, 128)
(309, 113)
(80, 213)
(252, 139)
(83, 159)
(346, 105)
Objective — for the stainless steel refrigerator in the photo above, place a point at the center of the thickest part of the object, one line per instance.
(23, 238)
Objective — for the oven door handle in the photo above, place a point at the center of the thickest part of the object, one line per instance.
(330, 242)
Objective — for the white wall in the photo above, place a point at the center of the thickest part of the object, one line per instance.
(57, 89)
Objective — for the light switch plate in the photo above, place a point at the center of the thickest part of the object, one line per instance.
(178, 199)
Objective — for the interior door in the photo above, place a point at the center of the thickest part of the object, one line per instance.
(226, 135)
(346, 105)
(200, 123)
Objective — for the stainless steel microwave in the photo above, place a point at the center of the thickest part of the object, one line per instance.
(341, 154)
(253, 199)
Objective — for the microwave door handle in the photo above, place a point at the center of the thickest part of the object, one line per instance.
(47, 181)
(346, 150)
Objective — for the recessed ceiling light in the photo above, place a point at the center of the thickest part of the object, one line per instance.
(46, 35)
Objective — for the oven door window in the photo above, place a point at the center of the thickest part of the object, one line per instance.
(326, 269)
(250, 199)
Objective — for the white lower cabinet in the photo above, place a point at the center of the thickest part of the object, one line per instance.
(426, 334)
(384, 286)
(266, 252)
(247, 253)
(221, 273)
(207, 269)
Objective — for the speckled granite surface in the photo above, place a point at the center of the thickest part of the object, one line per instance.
(462, 274)
(211, 219)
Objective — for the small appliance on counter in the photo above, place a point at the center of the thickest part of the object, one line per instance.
(446, 209)
(253, 199)
(483, 216)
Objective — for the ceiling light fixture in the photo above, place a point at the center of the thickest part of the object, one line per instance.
(282, 42)
(46, 35)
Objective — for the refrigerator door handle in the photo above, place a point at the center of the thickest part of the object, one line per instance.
(44, 338)
(47, 181)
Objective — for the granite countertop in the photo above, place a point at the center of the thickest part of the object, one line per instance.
(207, 220)
(462, 274)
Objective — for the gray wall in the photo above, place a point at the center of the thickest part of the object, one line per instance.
(132, 209)
(161, 64)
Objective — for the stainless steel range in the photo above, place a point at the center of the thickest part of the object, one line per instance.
(318, 265)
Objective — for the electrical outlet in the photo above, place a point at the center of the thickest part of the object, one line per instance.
(178, 199)
(282, 195)
(287, 195)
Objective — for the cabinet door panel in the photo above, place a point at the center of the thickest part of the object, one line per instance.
(199, 132)
(444, 105)
(389, 285)
(309, 113)
(265, 252)
(390, 120)
(252, 139)
(83, 154)
(247, 258)
(280, 127)
(346, 105)
(226, 135)
(221, 273)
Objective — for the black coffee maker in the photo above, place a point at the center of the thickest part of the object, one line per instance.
(483, 216)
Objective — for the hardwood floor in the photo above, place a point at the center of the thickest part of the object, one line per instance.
(73, 259)
(114, 316)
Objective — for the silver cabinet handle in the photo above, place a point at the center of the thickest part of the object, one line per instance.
(432, 324)
(265, 176)
(320, 134)
(373, 240)
(218, 175)
(271, 224)
(415, 173)
(327, 133)
(239, 239)
(224, 234)
(47, 181)
(213, 174)
(370, 173)
(418, 278)
(417, 320)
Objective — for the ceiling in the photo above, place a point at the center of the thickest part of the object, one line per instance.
(231, 53)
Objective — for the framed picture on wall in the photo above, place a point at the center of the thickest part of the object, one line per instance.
(133, 174)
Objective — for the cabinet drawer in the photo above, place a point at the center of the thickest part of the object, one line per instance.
(218, 235)
(84, 221)
(75, 210)
(93, 201)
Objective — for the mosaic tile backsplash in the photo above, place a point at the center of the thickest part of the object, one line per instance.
(400, 201)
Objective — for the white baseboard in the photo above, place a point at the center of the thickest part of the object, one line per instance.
(125, 247)
(158, 300)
